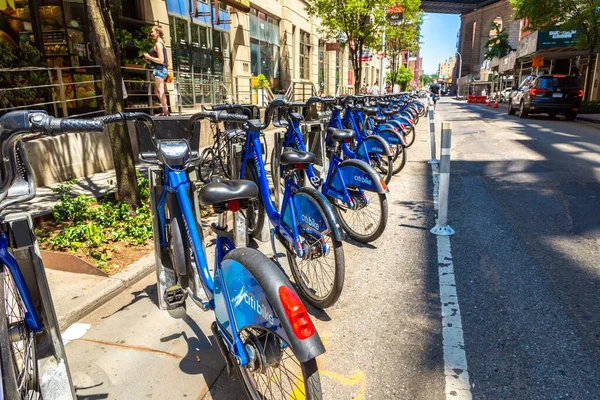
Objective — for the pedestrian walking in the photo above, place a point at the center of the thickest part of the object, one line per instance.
(375, 90)
(434, 89)
(158, 58)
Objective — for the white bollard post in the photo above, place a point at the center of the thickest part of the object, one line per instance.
(442, 228)
(433, 160)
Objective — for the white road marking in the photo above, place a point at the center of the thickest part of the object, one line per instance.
(74, 332)
(453, 343)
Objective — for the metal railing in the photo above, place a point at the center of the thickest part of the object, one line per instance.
(75, 92)
(301, 90)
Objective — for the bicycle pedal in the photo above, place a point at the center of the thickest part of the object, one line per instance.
(175, 296)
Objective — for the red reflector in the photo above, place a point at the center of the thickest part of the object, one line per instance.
(296, 312)
(299, 167)
(580, 93)
(383, 184)
(233, 205)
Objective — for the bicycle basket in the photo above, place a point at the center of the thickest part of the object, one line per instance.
(175, 127)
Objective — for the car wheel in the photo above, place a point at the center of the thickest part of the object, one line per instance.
(510, 109)
(570, 116)
(522, 112)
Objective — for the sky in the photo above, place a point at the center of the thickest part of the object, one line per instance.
(438, 38)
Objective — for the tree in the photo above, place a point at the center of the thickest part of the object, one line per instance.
(497, 45)
(360, 21)
(403, 37)
(425, 80)
(404, 76)
(579, 15)
(433, 76)
(99, 12)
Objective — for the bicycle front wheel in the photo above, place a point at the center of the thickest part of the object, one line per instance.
(18, 352)
(207, 164)
(399, 158)
(320, 274)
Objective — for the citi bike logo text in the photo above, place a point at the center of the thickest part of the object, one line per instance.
(260, 309)
(311, 222)
(256, 165)
(378, 149)
(363, 179)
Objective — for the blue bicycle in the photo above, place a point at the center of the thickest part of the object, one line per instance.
(30, 343)
(262, 327)
(307, 225)
(354, 188)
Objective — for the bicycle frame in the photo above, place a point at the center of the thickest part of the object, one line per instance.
(177, 181)
(31, 316)
(330, 187)
(285, 223)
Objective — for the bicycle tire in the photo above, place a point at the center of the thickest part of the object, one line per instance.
(399, 154)
(206, 165)
(255, 213)
(301, 273)
(410, 136)
(20, 356)
(383, 164)
(309, 370)
(179, 249)
(379, 213)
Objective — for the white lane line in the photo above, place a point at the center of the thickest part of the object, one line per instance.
(453, 343)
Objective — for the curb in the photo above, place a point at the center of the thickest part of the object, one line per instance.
(593, 121)
(109, 289)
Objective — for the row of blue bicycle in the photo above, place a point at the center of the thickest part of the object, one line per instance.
(261, 326)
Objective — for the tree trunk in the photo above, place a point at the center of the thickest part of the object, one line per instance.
(112, 90)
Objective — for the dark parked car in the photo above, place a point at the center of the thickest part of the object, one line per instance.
(547, 94)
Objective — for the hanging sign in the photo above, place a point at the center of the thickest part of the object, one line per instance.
(537, 61)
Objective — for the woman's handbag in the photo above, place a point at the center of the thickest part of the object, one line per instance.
(169, 78)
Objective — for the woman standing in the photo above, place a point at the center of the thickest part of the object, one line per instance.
(158, 58)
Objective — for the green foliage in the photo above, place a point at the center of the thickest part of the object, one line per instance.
(403, 37)
(91, 226)
(21, 56)
(425, 80)
(362, 22)
(139, 39)
(262, 82)
(498, 45)
(565, 14)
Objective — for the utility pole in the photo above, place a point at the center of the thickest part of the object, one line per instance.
(381, 73)
(459, 74)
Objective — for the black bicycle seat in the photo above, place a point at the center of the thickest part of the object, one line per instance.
(388, 113)
(291, 157)
(341, 135)
(379, 120)
(370, 110)
(222, 191)
(338, 108)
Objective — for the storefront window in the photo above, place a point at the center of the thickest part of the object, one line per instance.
(15, 23)
(264, 45)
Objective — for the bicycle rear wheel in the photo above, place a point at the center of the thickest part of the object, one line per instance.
(410, 136)
(319, 276)
(19, 350)
(207, 164)
(383, 164)
(399, 158)
(366, 222)
(275, 371)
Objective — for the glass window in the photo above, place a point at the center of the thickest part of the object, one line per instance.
(262, 26)
(254, 46)
(253, 24)
(304, 55)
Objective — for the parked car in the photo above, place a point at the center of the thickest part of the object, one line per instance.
(547, 94)
(445, 92)
(505, 94)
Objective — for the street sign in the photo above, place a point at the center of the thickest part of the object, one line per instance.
(395, 15)
(335, 46)
(537, 61)
(556, 38)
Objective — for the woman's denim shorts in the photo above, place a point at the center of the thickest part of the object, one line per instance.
(160, 71)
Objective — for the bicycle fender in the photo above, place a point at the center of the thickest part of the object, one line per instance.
(334, 224)
(392, 136)
(366, 178)
(378, 145)
(253, 282)
(390, 125)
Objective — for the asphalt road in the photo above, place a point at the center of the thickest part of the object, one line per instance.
(523, 202)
